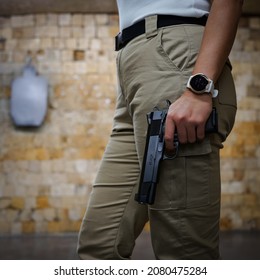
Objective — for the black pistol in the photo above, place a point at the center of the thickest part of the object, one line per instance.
(154, 152)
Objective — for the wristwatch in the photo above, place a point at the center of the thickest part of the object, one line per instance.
(201, 84)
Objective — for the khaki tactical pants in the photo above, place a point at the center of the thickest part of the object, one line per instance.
(184, 219)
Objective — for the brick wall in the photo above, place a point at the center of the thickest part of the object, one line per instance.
(46, 173)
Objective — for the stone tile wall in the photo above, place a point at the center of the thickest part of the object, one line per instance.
(241, 155)
(47, 173)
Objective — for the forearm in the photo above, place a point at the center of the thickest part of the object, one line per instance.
(188, 114)
(218, 38)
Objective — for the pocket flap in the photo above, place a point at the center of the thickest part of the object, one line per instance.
(195, 149)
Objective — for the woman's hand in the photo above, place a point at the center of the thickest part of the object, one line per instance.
(188, 116)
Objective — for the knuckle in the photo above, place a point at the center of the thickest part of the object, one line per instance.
(167, 138)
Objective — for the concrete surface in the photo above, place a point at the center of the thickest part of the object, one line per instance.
(239, 245)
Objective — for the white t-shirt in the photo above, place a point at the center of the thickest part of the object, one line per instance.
(131, 11)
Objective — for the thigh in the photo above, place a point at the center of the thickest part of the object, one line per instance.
(185, 217)
(113, 220)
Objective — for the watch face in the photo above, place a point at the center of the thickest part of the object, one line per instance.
(199, 83)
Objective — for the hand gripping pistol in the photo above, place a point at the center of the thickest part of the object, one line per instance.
(154, 152)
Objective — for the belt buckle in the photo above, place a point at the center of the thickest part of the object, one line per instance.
(119, 43)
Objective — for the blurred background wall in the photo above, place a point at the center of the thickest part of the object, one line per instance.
(46, 173)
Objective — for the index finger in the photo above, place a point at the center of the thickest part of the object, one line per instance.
(169, 135)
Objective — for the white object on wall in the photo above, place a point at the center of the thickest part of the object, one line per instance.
(29, 98)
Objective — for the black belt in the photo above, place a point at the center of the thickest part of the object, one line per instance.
(129, 33)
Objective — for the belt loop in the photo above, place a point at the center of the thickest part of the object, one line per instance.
(151, 26)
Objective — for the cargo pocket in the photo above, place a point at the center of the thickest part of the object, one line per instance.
(226, 102)
(184, 181)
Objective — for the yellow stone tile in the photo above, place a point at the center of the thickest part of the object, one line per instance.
(42, 202)
(54, 226)
(28, 227)
(17, 203)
